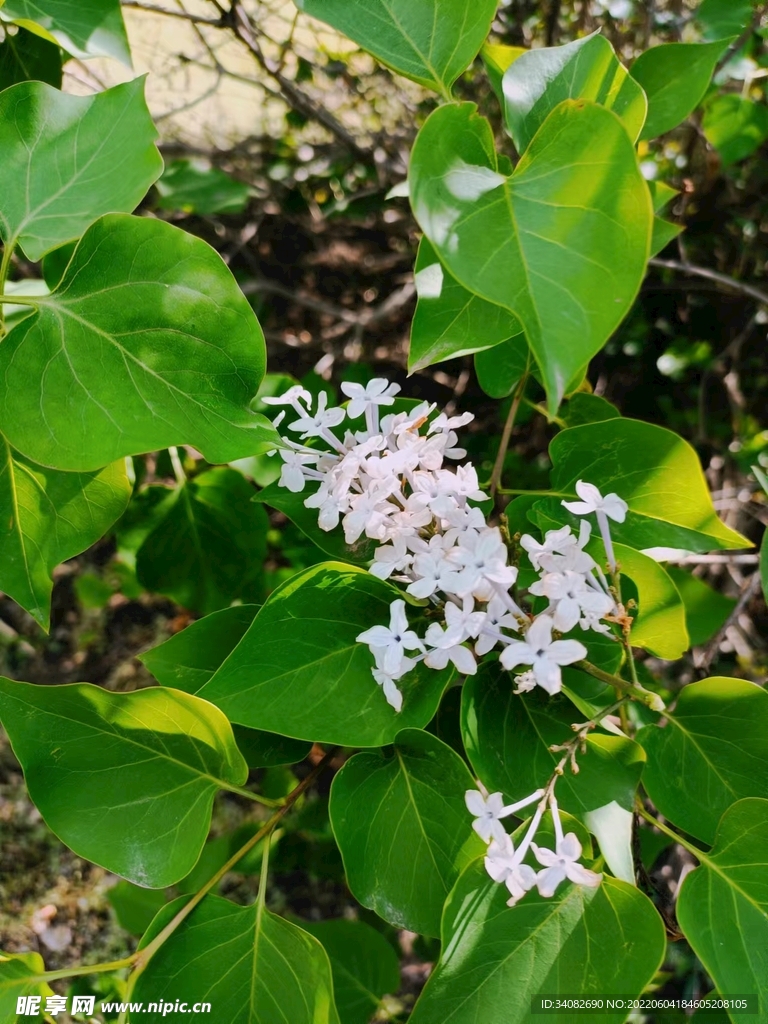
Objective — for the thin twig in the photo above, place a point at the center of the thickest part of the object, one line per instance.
(737, 44)
(710, 651)
(196, 19)
(712, 275)
(509, 426)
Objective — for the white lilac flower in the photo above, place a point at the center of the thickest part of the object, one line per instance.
(389, 558)
(543, 654)
(293, 396)
(463, 622)
(562, 863)
(393, 641)
(570, 597)
(458, 522)
(497, 617)
(368, 515)
(503, 865)
(609, 507)
(487, 811)
(554, 541)
(434, 570)
(377, 391)
(292, 475)
(445, 648)
(483, 561)
(319, 423)
(329, 508)
(389, 687)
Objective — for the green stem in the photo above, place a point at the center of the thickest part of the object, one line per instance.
(652, 700)
(20, 300)
(5, 266)
(78, 972)
(242, 791)
(509, 426)
(542, 494)
(697, 853)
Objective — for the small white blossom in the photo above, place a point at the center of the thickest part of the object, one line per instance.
(393, 641)
(292, 475)
(503, 865)
(377, 391)
(562, 863)
(487, 811)
(570, 597)
(592, 501)
(319, 424)
(543, 654)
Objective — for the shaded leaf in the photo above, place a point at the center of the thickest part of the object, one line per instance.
(675, 77)
(705, 609)
(499, 369)
(612, 827)
(126, 780)
(84, 138)
(84, 28)
(18, 977)
(660, 623)
(721, 18)
(562, 243)
(195, 187)
(432, 42)
(735, 126)
(585, 408)
(712, 751)
(403, 830)
(134, 906)
(274, 970)
(300, 672)
(27, 57)
(585, 69)
(150, 345)
(664, 231)
(49, 517)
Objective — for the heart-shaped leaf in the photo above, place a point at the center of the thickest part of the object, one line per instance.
(146, 343)
(20, 975)
(208, 547)
(723, 904)
(675, 77)
(85, 138)
(27, 57)
(712, 751)
(449, 320)
(50, 516)
(84, 28)
(507, 737)
(300, 672)
(654, 470)
(496, 960)
(126, 780)
(249, 965)
(499, 369)
(432, 41)
(659, 625)
(586, 69)
(562, 243)
(403, 830)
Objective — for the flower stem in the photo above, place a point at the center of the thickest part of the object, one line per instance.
(509, 426)
(699, 854)
(634, 690)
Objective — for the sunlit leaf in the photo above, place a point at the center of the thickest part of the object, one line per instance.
(84, 28)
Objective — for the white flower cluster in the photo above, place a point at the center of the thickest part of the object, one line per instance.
(388, 483)
(504, 862)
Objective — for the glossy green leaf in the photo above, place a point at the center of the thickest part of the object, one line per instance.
(585, 69)
(19, 974)
(655, 471)
(586, 408)
(363, 963)
(432, 41)
(496, 59)
(84, 138)
(660, 623)
(705, 609)
(562, 243)
(721, 18)
(403, 829)
(500, 368)
(612, 826)
(723, 904)
(126, 780)
(449, 320)
(26, 57)
(208, 548)
(252, 966)
(735, 126)
(675, 77)
(84, 28)
(49, 517)
(507, 737)
(300, 672)
(195, 187)
(712, 751)
(188, 660)
(268, 750)
(134, 906)
(147, 342)
(330, 542)
(496, 959)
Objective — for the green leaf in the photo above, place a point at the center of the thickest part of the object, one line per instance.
(507, 737)
(655, 471)
(723, 904)
(585, 69)
(84, 138)
(675, 77)
(26, 57)
(331, 542)
(720, 18)
(18, 977)
(126, 780)
(49, 517)
(660, 624)
(735, 126)
(364, 966)
(585, 408)
(705, 609)
(268, 750)
(661, 194)
(612, 826)
(252, 966)
(712, 752)
(402, 827)
(664, 231)
(562, 243)
(500, 368)
(193, 186)
(432, 42)
(496, 959)
(134, 906)
(84, 28)
(189, 659)
(300, 672)
(208, 548)
(449, 320)
(496, 59)
(147, 342)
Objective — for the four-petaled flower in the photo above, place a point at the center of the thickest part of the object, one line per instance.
(487, 811)
(562, 863)
(503, 864)
(543, 654)
(593, 501)
(377, 391)
(392, 642)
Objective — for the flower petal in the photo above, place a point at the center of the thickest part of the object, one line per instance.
(548, 880)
